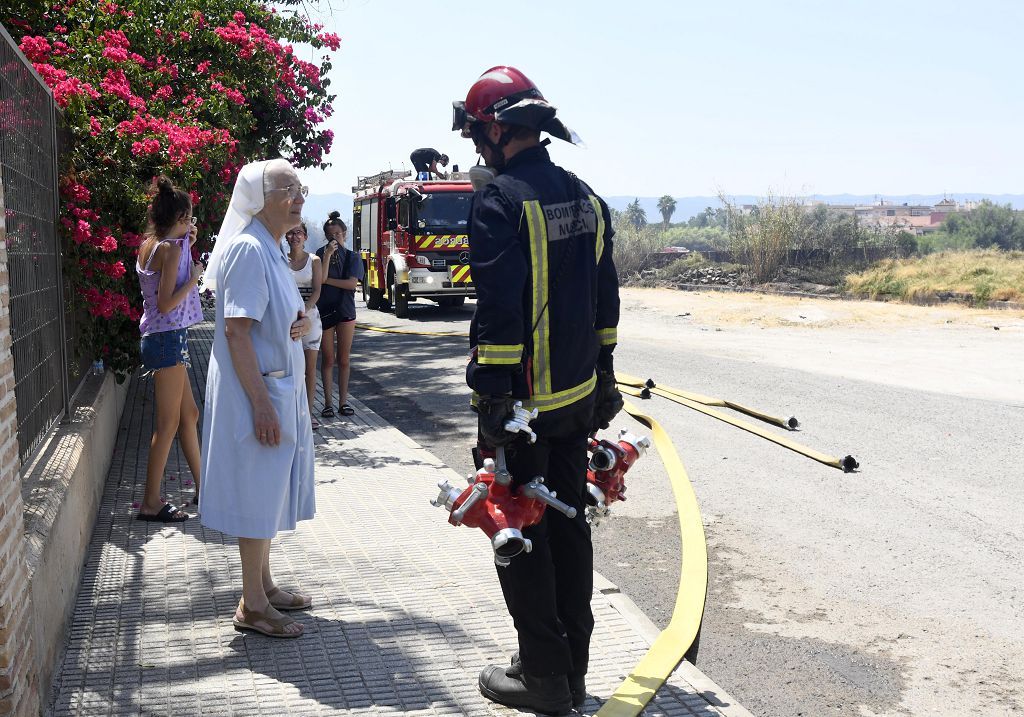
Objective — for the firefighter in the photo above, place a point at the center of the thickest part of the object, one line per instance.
(425, 161)
(543, 333)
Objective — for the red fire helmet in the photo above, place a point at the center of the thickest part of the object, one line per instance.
(504, 94)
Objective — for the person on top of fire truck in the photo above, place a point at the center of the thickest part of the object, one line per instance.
(543, 333)
(425, 161)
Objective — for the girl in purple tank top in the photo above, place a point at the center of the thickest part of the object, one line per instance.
(170, 304)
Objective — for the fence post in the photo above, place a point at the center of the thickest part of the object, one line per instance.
(65, 387)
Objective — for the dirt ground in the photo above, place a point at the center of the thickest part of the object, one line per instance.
(768, 310)
(951, 348)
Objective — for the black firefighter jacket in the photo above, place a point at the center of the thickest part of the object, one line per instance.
(540, 246)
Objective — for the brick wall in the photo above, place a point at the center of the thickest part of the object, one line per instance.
(18, 694)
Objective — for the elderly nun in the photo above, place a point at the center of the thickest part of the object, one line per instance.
(257, 440)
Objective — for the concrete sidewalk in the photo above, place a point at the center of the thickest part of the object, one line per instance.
(407, 609)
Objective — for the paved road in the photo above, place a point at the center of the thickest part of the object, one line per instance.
(894, 590)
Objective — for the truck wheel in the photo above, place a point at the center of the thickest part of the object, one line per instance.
(398, 296)
(374, 299)
(456, 301)
(401, 299)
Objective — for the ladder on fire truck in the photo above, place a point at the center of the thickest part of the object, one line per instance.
(380, 178)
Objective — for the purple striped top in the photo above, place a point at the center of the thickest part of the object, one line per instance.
(183, 315)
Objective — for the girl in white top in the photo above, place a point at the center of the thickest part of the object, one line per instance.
(308, 277)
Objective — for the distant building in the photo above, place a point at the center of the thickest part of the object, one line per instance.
(914, 218)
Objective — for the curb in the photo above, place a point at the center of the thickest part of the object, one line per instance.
(631, 613)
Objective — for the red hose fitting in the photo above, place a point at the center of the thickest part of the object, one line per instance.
(606, 474)
(501, 510)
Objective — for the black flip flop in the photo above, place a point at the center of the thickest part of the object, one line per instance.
(167, 514)
(328, 412)
(347, 410)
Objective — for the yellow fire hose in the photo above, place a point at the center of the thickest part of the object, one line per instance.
(790, 423)
(385, 330)
(675, 641)
(845, 464)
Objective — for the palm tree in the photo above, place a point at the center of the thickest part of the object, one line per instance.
(667, 207)
(635, 215)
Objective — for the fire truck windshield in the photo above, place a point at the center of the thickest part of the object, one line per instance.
(444, 213)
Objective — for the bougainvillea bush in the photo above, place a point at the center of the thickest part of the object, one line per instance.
(190, 88)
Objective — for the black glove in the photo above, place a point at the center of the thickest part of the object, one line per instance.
(608, 401)
(492, 412)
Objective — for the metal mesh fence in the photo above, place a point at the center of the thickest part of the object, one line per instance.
(28, 170)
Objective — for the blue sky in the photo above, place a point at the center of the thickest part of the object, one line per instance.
(684, 98)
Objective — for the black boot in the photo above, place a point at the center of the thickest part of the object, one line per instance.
(577, 684)
(548, 695)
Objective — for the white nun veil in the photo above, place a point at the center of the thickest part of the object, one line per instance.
(246, 202)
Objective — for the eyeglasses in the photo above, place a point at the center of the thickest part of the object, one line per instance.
(295, 233)
(303, 190)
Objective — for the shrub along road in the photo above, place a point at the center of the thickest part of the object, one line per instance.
(894, 590)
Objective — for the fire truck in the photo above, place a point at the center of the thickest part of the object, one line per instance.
(412, 237)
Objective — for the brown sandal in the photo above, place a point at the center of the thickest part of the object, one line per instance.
(298, 602)
(250, 618)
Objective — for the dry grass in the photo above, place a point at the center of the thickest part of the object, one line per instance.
(982, 275)
(633, 250)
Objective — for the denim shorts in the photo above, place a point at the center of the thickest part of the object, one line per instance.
(165, 349)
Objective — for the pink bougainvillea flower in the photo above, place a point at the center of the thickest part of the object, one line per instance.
(36, 48)
(81, 232)
(131, 239)
(330, 40)
(116, 83)
(77, 192)
(115, 270)
(117, 54)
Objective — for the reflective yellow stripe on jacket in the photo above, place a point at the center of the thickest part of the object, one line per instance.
(599, 248)
(607, 337)
(541, 317)
(550, 401)
(499, 354)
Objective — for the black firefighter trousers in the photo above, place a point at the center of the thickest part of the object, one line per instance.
(548, 590)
